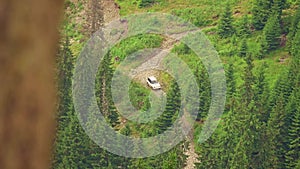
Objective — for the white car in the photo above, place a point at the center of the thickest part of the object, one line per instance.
(152, 82)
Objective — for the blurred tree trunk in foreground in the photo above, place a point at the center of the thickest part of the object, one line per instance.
(28, 41)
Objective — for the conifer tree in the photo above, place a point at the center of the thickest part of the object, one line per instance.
(171, 109)
(272, 32)
(292, 156)
(225, 28)
(276, 131)
(260, 13)
(247, 88)
(261, 94)
(243, 29)
(243, 48)
(278, 6)
(231, 81)
(294, 27)
(204, 91)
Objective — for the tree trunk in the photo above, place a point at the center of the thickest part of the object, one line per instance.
(28, 42)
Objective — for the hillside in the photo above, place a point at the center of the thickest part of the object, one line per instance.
(258, 44)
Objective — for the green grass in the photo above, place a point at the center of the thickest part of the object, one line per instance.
(138, 95)
(199, 12)
(134, 44)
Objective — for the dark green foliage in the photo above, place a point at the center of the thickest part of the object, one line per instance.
(204, 91)
(172, 108)
(243, 29)
(247, 87)
(293, 156)
(293, 28)
(225, 27)
(243, 50)
(276, 127)
(278, 6)
(261, 94)
(146, 3)
(271, 33)
(231, 86)
(260, 11)
(260, 125)
(231, 81)
(295, 45)
(264, 9)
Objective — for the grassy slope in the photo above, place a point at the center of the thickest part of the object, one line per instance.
(208, 12)
(190, 10)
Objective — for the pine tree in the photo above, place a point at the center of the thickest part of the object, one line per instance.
(272, 32)
(243, 48)
(261, 94)
(231, 81)
(65, 73)
(172, 108)
(243, 27)
(295, 46)
(247, 88)
(263, 48)
(278, 6)
(65, 67)
(292, 156)
(276, 125)
(293, 28)
(225, 28)
(231, 86)
(204, 91)
(260, 13)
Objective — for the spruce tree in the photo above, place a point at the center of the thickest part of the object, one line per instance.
(261, 94)
(243, 48)
(247, 87)
(292, 156)
(243, 29)
(278, 6)
(272, 32)
(231, 87)
(204, 91)
(231, 83)
(225, 28)
(294, 27)
(260, 11)
(276, 131)
(172, 108)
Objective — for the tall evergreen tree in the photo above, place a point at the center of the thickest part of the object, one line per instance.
(276, 125)
(261, 94)
(278, 6)
(243, 48)
(172, 108)
(247, 87)
(243, 29)
(204, 91)
(231, 81)
(225, 28)
(272, 32)
(231, 87)
(260, 11)
(293, 28)
(293, 155)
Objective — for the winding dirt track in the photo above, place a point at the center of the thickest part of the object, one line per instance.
(146, 69)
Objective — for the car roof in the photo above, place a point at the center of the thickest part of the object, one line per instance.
(152, 78)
